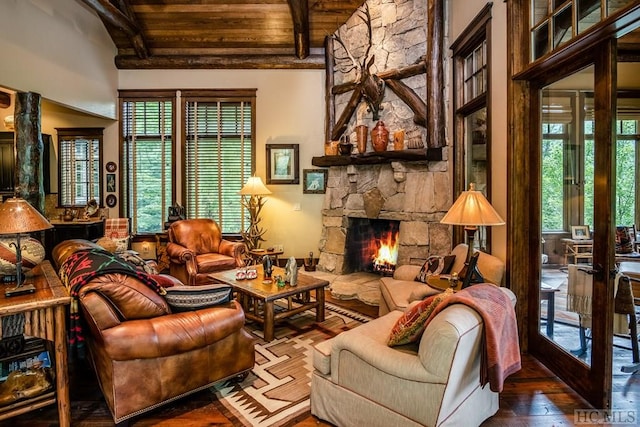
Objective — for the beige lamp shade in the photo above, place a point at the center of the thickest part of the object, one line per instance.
(472, 208)
(18, 216)
(254, 187)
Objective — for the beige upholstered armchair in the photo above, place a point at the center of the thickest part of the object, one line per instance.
(196, 249)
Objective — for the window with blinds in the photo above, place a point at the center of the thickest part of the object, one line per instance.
(218, 155)
(147, 159)
(79, 165)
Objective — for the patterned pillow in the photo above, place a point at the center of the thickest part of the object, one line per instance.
(624, 239)
(412, 323)
(435, 265)
(188, 298)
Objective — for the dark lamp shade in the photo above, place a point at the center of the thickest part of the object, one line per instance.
(254, 187)
(472, 209)
(17, 216)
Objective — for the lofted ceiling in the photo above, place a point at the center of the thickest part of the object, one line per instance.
(165, 34)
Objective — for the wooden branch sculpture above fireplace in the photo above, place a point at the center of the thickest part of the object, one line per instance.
(371, 87)
(367, 85)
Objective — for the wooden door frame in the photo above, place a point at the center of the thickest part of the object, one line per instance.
(523, 162)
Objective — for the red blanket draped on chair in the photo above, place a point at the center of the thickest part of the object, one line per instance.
(500, 347)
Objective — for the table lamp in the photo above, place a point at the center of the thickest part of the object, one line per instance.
(252, 193)
(19, 217)
(471, 210)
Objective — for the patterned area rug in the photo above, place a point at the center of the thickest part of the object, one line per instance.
(276, 392)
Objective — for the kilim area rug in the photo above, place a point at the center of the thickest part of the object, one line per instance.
(276, 392)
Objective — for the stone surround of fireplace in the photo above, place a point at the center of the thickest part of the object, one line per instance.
(417, 194)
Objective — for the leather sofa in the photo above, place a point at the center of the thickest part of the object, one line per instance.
(359, 380)
(144, 355)
(397, 292)
(196, 249)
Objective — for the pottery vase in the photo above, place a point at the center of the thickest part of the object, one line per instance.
(362, 132)
(379, 137)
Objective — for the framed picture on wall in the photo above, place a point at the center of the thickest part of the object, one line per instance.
(580, 232)
(314, 181)
(283, 164)
(111, 183)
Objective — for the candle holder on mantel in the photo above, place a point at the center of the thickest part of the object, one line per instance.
(380, 137)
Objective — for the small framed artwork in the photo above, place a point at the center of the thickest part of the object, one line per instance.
(314, 181)
(580, 232)
(111, 183)
(282, 164)
(111, 200)
(111, 167)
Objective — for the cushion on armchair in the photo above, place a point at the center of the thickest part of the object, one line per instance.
(411, 325)
(435, 265)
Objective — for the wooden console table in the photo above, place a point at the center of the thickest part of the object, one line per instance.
(45, 318)
(64, 230)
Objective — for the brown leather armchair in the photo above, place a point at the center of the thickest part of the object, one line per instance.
(196, 249)
(144, 355)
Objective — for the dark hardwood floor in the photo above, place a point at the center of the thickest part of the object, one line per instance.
(531, 397)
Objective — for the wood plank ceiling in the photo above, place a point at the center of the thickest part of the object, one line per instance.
(171, 34)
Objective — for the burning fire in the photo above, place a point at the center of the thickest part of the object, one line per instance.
(385, 259)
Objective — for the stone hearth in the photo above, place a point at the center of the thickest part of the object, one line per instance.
(417, 194)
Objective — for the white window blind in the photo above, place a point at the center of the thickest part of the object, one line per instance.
(147, 162)
(79, 167)
(218, 150)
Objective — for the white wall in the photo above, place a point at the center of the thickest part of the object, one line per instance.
(290, 110)
(61, 50)
(461, 13)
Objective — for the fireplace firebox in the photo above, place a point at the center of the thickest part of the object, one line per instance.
(372, 246)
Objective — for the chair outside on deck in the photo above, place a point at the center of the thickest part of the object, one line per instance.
(579, 300)
(196, 249)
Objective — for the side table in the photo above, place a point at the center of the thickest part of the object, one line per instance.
(257, 254)
(45, 318)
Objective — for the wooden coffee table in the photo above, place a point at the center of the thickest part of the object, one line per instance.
(258, 298)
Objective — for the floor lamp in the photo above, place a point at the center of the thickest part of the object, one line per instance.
(19, 217)
(472, 210)
(252, 200)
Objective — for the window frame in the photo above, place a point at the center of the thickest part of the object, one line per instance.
(73, 134)
(126, 191)
(475, 35)
(222, 96)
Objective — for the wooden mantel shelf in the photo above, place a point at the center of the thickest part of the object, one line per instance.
(374, 158)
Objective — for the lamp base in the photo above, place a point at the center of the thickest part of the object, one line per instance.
(20, 290)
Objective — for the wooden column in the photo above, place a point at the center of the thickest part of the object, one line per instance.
(29, 149)
(435, 75)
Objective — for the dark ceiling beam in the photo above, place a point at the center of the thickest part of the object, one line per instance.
(300, 17)
(123, 20)
(124, 62)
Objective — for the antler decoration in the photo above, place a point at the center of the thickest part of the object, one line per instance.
(370, 86)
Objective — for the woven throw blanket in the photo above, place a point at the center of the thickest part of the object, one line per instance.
(500, 353)
(580, 299)
(83, 266)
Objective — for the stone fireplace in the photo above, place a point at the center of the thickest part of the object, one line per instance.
(415, 194)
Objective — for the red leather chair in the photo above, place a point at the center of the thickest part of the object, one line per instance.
(196, 249)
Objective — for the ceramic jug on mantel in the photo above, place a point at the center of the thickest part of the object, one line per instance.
(379, 137)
